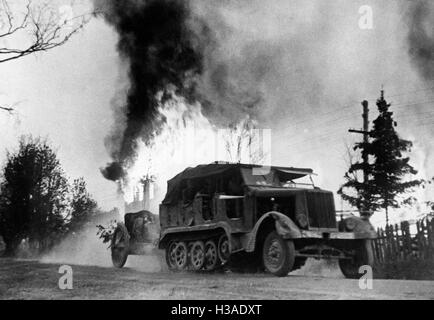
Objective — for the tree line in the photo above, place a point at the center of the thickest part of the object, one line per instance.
(37, 202)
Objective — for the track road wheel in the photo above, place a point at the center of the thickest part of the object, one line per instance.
(363, 255)
(176, 256)
(120, 247)
(197, 255)
(170, 255)
(224, 249)
(278, 254)
(211, 256)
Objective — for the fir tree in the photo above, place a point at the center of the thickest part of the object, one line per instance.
(390, 167)
(386, 172)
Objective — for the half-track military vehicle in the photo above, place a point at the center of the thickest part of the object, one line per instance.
(213, 212)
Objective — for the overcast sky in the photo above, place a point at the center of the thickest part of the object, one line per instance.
(65, 94)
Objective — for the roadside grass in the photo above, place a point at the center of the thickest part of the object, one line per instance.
(406, 270)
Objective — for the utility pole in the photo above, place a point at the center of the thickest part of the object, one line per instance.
(365, 133)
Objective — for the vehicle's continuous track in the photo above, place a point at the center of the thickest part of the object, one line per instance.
(207, 254)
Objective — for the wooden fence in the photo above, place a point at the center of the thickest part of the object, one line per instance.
(396, 243)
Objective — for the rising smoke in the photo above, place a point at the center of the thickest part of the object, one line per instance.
(164, 58)
(171, 51)
(421, 37)
(257, 59)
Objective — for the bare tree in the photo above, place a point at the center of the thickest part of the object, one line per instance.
(240, 142)
(27, 28)
(47, 27)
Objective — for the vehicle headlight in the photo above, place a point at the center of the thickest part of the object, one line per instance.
(350, 224)
(302, 220)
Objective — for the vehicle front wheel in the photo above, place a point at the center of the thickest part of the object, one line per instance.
(278, 254)
(362, 255)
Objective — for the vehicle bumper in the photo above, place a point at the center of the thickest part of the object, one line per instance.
(335, 235)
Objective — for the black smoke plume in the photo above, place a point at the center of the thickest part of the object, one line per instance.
(164, 57)
(173, 48)
(421, 37)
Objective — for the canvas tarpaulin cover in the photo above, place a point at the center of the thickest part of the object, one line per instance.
(174, 185)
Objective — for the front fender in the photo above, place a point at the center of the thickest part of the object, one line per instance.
(361, 227)
(284, 226)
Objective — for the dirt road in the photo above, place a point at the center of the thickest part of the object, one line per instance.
(20, 279)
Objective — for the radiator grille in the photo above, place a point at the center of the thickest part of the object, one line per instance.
(321, 209)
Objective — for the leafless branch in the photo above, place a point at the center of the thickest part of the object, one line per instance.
(9, 108)
(47, 29)
(7, 15)
(352, 158)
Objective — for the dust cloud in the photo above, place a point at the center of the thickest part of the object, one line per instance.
(319, 268)
(86, 249)
(83, 248)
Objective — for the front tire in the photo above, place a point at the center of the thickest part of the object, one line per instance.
(363, 255)
(278, 254)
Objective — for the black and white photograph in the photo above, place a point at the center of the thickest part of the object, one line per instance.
(216, 150)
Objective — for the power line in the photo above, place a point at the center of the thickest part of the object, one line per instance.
(329, 137)
(399, 106)
(347, 117)
(415, 91)
(334, 135)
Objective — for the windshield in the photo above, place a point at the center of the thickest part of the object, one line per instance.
(277, 179)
